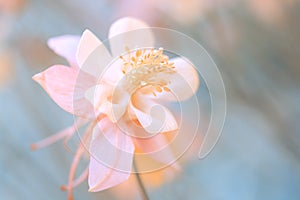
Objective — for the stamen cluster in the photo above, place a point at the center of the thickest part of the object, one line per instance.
(147, 68)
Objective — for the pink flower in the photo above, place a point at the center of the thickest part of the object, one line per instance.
(119, 105)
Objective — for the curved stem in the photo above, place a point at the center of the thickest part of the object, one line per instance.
(140, 182)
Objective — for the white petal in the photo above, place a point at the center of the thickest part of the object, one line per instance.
(184, 83)
(65, 46)
(154, 117)
(92, 55)
(122, 36)
(111, 156)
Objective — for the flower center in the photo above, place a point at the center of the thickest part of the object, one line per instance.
(147, 68)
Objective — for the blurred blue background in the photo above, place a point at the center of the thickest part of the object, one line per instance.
(255, 44)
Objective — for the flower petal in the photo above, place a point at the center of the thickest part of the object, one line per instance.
(122, 36)
(92, 55)
(110, 100)
(183, 84)
(66, 86)
(113, 111)
(111, 156)
(157, 147)
(154, 117)
(98, 94)
(88, 43)
(65, 46)
(113, 74)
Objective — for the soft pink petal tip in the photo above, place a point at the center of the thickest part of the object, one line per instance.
(38, 77)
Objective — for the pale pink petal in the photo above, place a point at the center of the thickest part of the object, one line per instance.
(183, 84)
(123, 37)
(113, 73)
(88, 43)
(154, 117)
(92, 55)
(108, 100)
(65, 46)
(129, 188)
(114, 111)
(156, 147)
(66, 86)
(98, 94)
(116, 107)
(111, 156)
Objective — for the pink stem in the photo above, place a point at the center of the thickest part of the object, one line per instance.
(53, 138)
(67, 132)
(76, 159)
(77, 181)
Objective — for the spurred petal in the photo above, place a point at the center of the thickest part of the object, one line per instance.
(123, 37)
(183, 84)
(65, 46)
(92, 55)
(154, 117)
(66, 86)
(111, 156)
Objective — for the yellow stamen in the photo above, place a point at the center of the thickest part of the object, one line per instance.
(167, 89)
(151, 68)
(158, 89)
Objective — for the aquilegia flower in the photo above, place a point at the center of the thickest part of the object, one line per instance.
(117, 101)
